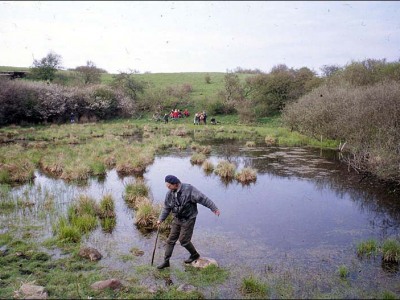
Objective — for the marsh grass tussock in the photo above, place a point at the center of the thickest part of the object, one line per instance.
(225, 169)
(391, 250)
(179, 131)
(66, 232)
(134, 159)
(84, 205)
(204, 149)
(85, 222)
(246, 175)
(253, 287)
(7, 203)
(81, 219)
(207, 166)
(343, 271)
(367, 248)
(108, 224)
(106, 207)
(146, 215)
(270, 140)
(17, 164)
(250, 144)
(197, 158)
(134, 192)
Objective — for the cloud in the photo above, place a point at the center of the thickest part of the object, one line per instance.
(198, 36)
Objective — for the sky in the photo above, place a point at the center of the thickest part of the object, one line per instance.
(199, 36)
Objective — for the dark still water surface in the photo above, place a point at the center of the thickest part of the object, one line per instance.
(305, 211)
(299, 200)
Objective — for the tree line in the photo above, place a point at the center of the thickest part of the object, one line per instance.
(358, 104)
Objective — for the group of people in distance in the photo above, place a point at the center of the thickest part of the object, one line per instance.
(199, 117)
(176, 114)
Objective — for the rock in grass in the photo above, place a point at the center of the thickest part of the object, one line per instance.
(112, 283)
(30, 291)
(90, 253)
(204, 262)
(186, 288)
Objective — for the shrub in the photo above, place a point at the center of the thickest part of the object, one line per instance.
(366, 118)
(207, 78)
(37, 102)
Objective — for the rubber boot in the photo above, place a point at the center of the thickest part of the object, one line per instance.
(168, 253)
(165, 264)
(193, 253)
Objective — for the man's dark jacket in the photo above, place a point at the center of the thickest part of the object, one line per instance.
(183, 203)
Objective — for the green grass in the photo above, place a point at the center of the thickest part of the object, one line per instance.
(107, 207)
(367, 248)
(200, 89)
(343, 271)
(135, 191)
(391, 250)
(9, 68)
(253, 287)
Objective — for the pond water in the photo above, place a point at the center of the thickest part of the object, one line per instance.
(306, 213)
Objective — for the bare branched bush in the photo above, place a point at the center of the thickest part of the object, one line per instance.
(366, 118)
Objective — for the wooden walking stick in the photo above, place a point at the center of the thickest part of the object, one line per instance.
(155, 245)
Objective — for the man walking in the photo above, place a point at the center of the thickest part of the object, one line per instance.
(181, 200)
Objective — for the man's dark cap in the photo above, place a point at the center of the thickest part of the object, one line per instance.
(172, 179)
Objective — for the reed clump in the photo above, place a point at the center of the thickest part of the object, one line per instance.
(391, 250)
(81, 219)
(106, 207)
(207, 166)
(270, 140)
(203, 149)
(250, 144)
(147, 214)
(134, 159)
(367, 248)
(343, 271)
(83, 214)
(135, 192)
(197, 158)
(246, 175)
(225, 169)
(254, 288)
